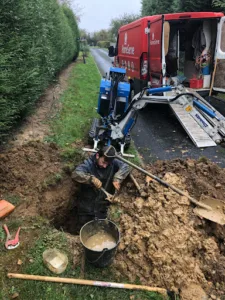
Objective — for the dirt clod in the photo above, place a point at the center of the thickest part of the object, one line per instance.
(193, 291)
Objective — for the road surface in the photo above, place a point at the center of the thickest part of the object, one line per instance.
(157, 133)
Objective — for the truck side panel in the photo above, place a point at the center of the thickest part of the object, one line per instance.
(132, 43)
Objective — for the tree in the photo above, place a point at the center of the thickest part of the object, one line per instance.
(193, 5)
(219, 5)
(151, 7)
(99, 36)
(116, 23)
(83, 34)
(75, 6)
(102, 35)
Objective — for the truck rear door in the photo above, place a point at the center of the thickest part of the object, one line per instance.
(155, 51)
(219, 80)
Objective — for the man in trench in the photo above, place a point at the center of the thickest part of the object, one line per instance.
(98, 171)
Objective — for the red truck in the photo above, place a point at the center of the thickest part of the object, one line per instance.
(171, 48)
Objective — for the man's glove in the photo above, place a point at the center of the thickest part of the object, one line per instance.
(97, 183)
(116, 185)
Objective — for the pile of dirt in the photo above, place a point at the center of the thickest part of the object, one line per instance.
(163, 243)
(33, 174)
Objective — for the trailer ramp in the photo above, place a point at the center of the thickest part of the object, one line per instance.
(185, 115)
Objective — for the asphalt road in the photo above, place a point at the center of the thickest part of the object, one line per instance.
(158, 134)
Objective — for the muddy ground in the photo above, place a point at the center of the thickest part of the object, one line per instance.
(163, 242)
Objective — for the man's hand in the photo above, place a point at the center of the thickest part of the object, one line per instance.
(97, 183)
(116, 185)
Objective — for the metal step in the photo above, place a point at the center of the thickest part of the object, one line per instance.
(199, 137)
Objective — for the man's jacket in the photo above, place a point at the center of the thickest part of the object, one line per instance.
(92, 200)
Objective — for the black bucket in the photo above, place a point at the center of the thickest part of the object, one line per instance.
(105, 257)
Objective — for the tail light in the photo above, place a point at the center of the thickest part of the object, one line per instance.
(144, 66)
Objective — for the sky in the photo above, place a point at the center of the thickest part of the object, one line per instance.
(97, 14)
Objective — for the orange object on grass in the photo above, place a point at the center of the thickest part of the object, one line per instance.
(5, 208)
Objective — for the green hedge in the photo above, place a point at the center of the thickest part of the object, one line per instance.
(103, 44)
(75, 30)
(37, 38)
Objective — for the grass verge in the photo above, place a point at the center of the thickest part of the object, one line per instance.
(78, 104)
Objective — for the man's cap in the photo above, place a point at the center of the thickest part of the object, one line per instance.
(108, 152)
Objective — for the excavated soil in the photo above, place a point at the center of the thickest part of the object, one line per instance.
(163, 243)
(33, 174)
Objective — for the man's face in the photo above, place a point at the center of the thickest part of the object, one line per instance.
(101, 161)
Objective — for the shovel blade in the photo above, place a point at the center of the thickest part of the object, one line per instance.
(216, 215)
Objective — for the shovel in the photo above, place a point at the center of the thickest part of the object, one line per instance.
(208, 210)
(216, 214)
(109, 196)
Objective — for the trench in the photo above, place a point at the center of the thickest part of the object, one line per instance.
(67, 222)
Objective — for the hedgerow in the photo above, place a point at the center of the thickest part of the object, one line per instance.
(37, 38)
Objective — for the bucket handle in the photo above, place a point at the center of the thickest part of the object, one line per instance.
(103, 252)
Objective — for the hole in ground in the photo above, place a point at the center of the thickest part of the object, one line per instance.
(67, 222)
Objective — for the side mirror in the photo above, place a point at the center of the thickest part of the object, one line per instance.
(111, 51)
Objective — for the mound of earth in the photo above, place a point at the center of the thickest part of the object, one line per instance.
(33, 173)
(163, 243)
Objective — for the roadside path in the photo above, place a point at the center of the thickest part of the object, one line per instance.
(35, 126)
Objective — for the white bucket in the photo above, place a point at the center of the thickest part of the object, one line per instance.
(206, 81)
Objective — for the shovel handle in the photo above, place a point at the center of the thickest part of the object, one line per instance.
(135, 183)
(109, 196)
(89, 282)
